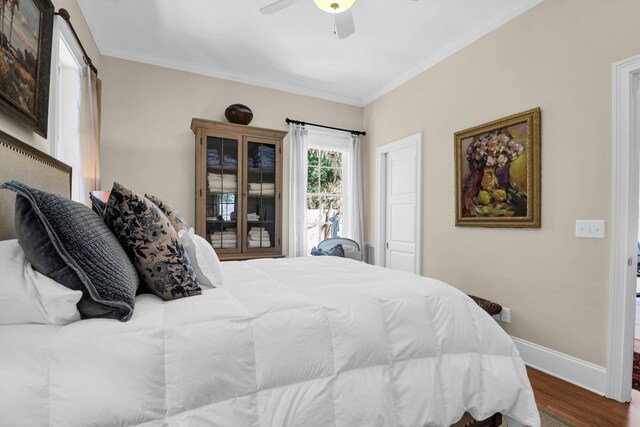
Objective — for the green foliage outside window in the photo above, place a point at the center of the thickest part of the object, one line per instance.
(324, 194)
(324, 174)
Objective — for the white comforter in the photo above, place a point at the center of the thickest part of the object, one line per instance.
(308, 342)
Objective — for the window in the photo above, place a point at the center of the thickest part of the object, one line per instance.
(64, 97)
(326, 188)
(324, 195)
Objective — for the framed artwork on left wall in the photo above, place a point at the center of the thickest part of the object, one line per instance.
(26, 30)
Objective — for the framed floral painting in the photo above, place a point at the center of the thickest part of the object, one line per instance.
(498, 173)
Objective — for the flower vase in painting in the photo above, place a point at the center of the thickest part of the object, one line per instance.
(494, 174)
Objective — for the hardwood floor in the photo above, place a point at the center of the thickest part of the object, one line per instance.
(581, 407)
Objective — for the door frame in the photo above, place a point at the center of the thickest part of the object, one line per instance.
(624, 220)
(414, 140)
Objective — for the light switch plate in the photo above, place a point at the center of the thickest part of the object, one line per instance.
(591, 229)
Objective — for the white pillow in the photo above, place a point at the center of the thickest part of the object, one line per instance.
(27, 296)
(203, 258)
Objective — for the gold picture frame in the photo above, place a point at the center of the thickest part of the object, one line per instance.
(497, 168)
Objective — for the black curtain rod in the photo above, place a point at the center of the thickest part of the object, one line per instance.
(65, 15)
(298, 122)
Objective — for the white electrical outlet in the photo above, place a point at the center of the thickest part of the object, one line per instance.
(590, 229)
(505, 315)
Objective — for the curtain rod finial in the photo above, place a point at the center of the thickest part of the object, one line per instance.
(64, 14)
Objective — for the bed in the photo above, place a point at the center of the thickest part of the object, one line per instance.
(317, 341)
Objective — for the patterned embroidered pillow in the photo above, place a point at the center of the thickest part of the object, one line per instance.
(152, 244)
(68, 243)
(174, 215)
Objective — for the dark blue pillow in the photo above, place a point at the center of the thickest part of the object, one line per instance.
(97, 205)
(337, 250)
(69, 243)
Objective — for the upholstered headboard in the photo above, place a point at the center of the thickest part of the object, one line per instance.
(24, 163)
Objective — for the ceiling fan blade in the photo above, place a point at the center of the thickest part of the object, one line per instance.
(344, 24)
(277, 6)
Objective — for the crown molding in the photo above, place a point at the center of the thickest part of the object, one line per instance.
(206, 70)
(464, 40)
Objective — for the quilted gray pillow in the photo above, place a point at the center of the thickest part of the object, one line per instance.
(67, 242)
(152, 243)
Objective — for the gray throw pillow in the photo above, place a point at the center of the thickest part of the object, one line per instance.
(152, 244)
(67, 242)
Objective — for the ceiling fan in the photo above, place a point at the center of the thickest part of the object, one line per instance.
(340, 9)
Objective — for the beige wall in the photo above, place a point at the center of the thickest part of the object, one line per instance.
(556, 56)
(24, 134)
(147, 143)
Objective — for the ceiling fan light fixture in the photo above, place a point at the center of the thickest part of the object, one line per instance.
(334, 6)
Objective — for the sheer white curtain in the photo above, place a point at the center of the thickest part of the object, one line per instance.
(89, 179)
(354, 224)
(298, 191)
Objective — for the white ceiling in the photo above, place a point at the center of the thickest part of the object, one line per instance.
(295, 49)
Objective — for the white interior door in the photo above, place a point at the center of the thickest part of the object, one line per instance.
(401, 200)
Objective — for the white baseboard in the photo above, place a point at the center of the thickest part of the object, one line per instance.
(571, 369)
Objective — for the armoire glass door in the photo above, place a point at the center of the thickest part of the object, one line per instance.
(222, 204)
(262, 192)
